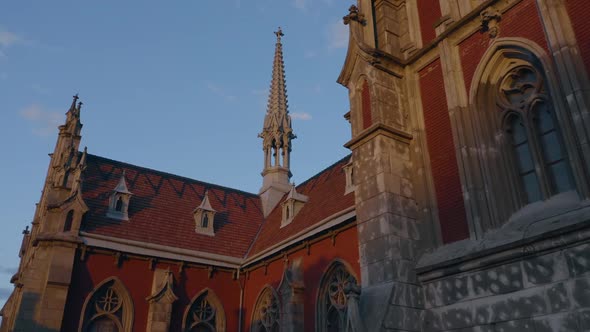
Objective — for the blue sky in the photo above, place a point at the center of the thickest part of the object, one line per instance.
(177, 86)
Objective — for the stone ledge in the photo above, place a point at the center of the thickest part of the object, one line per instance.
(514, 240)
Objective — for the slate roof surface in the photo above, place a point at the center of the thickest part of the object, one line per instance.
(162, 205)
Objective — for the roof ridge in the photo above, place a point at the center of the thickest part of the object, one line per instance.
(301, 184)
(324, 170)
(179, 177)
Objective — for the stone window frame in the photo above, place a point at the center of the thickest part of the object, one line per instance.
(492, 167)
(208, 295)
(257, 313)
(122, 314)
(322, 302)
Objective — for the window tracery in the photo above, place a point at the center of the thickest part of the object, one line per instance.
(332, 302)
(205, 314)
(537, 147)
(266, 312)
(108, 308)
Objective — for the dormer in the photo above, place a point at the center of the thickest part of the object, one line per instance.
(292, 205)
(119, 201)
(349, 175)
(204, 216)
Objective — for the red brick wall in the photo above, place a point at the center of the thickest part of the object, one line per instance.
(578, 11)
(321, 255)
(445, 172)
(366, 106)
(428, 12)
(521, 21)
(137, 278)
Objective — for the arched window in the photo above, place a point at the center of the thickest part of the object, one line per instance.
(537, 147)
(68, 221)
(514, 139)
(332, 302)
(205, 314)
(266, 315)
(205, 222)
(119, 204)
(108, 308)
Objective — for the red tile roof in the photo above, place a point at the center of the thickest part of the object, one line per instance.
(161, 209)
(326, 197)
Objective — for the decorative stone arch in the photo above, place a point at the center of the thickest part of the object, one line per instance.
(266, 316)
(331, 296)
(497, 172)
(109, 303)
(204, 311)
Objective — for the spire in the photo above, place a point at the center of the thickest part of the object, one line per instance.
(277, 132)
(276, 135)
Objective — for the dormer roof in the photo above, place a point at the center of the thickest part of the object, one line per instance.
(205, 204)
(122, 186)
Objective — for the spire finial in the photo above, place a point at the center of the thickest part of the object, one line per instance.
(279, 33)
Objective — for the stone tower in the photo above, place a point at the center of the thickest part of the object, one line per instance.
(48, 250)
(276, 136)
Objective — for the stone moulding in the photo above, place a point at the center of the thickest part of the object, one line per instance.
(506, 245)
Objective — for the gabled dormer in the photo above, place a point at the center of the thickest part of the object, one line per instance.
(119, 201)
(292, 205)
(204, 216)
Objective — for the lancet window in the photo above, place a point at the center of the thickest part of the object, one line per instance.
(537, 148)
(332, 302)
(266, 316)
(108, 309)
(205, 314)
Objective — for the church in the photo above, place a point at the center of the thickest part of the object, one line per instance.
(463, 206)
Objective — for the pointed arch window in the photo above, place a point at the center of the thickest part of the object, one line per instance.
(108, 308)
(68, 221)
(266, 315)
(332, 302)
(537, 147)
(205, 314)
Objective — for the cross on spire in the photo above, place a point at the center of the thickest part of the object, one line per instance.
(279, 34)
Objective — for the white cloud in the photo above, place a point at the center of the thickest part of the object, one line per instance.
(301, 116)
(310, 54)
(337, 34)
(44, 122)
(8, 38)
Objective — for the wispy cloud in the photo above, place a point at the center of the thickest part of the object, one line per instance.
(44, 122)
(310, 54)
(301, 116)
(8, 38)
(219, 91)
(7, 270)
(337, 34)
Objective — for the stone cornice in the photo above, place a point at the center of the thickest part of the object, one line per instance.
(376, 130)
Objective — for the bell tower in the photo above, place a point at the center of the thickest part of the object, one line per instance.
(276, 136)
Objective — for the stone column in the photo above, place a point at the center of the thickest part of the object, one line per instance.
(387, 229)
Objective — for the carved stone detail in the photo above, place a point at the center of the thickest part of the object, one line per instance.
(490, 19)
